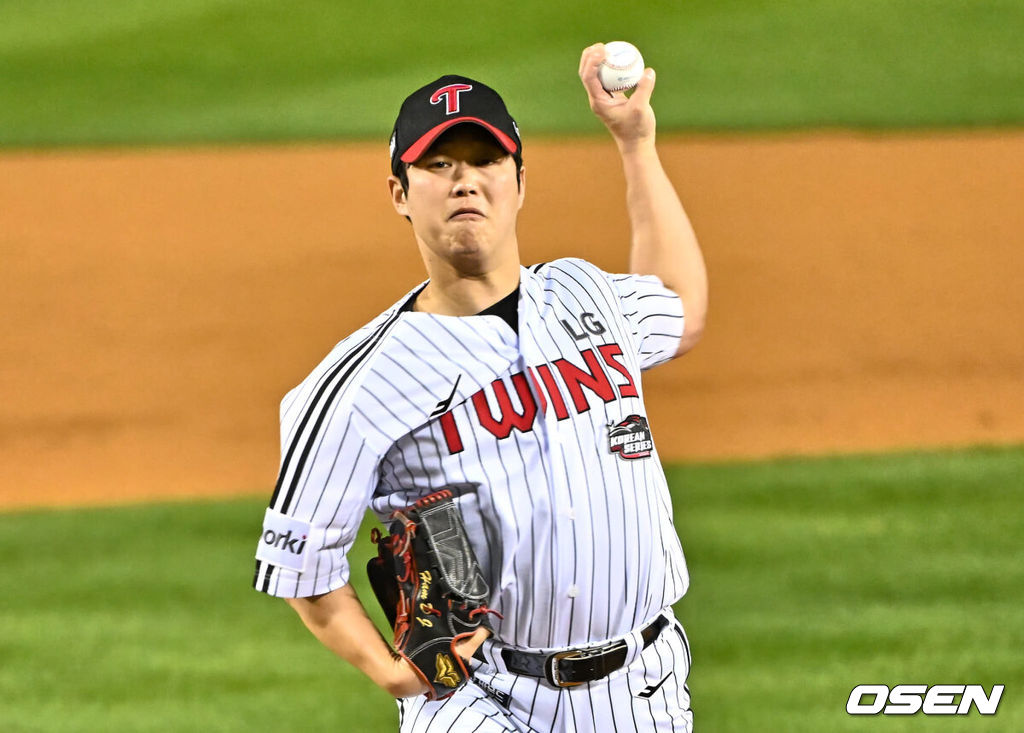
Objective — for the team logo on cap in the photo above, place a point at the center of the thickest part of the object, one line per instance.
(631, 438)
(450, 95)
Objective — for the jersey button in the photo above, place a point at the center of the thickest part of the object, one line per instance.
(574, 590)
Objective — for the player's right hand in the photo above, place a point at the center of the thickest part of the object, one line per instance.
(630, 119)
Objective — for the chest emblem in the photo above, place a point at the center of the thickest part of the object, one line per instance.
(630, 438)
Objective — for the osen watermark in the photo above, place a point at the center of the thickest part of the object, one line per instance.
(930, 700)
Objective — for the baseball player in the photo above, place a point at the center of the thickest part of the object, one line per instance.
(518, 391)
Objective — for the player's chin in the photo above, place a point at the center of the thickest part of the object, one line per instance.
(466, 243)
(470, 256)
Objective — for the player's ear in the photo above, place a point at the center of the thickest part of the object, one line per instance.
(398, 197)
(522, 185)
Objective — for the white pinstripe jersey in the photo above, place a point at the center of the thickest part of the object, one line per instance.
(541, 435)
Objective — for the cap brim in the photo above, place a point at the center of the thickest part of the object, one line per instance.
(418, 148)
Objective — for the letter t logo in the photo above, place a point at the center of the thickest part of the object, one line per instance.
(450, 94)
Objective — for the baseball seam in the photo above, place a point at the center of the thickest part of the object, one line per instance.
(619, 67)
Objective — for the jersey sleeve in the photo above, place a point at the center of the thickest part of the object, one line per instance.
(328, 472)
(653, 313)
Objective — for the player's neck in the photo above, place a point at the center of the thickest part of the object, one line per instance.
(457, 294)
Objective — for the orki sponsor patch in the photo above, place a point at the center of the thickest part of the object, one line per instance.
(284, 542)
(630, 438)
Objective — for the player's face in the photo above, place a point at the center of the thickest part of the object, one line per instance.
(463, 200)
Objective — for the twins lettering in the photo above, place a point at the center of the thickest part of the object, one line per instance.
(538, 386)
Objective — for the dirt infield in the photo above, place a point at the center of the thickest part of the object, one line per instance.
(866, 294)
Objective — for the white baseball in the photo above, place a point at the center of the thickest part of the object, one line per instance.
(622, 66)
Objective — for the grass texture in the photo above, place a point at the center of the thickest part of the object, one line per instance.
(808, 578)
(134, 71)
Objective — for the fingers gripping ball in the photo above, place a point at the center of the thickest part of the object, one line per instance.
(428, 582)
(622, 66)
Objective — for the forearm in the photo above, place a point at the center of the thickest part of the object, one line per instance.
(663, 241)
(339, 620)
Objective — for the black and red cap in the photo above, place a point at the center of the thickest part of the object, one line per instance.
(449, 101)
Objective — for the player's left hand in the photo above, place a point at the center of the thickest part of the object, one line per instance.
(468, 646)
(403, 680)
(629, 119)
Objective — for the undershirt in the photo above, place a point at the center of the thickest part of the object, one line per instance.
(507, 309)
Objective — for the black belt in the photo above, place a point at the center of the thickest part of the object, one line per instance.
(576, 666)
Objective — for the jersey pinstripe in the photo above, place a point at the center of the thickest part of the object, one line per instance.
(571, 524)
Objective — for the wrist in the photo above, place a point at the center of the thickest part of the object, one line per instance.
(636, 147)
(402, 680)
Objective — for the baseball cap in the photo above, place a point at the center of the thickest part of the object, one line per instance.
(444, 103)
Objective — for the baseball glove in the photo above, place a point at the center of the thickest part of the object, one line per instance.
(427, 580)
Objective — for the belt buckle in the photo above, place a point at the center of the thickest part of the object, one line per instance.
(551, 667)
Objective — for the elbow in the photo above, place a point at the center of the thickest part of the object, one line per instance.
(688, 341)
(313, 614)
(693, 331)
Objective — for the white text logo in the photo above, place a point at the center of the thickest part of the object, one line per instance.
(934, 700)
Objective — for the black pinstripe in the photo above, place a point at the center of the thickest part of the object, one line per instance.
(358, 354)
(351, 360)
(522, 487)
(609, 308)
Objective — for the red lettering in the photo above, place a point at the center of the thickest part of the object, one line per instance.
(502, 428)
(451, 433)
(450, 94)
(609, 352)
(595, 380)
(553, 394)
(531, 393)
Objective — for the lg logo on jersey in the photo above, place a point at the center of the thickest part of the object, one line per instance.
(590, 326)
(934, 700)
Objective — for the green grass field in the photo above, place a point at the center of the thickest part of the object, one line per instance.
(133, 71)
(808, 578)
